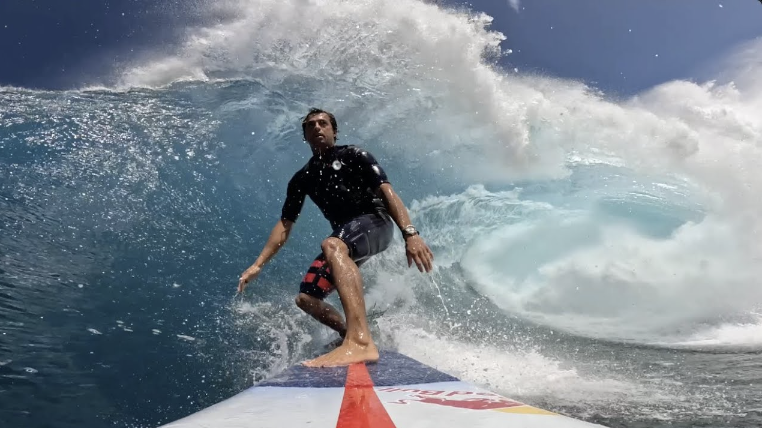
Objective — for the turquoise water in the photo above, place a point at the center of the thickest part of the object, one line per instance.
(596, 257)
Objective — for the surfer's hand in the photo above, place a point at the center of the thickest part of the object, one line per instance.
(248, 275)
(418, 252)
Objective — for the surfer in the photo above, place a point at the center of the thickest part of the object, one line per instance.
(354, 194)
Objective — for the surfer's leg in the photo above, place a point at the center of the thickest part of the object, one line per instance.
(358, 345)
(315, 287)
(322, 311)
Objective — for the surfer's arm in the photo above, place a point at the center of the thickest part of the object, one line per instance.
(278, 237)
(417, 250)
(292, 206)
(394, 205)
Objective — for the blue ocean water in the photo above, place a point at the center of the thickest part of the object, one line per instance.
(595, 257)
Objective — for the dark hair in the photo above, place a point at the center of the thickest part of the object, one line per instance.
(314, 111)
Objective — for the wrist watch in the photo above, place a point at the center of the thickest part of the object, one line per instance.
(409, 231)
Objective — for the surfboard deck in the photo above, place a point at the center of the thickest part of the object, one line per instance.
(396, 392)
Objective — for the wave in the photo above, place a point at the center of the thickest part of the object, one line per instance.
(415, 82)
(556, 213)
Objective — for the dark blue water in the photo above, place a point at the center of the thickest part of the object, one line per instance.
(575, 270)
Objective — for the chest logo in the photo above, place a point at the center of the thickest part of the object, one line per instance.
(336, 165)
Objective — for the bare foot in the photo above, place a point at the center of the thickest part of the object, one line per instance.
(346, 354)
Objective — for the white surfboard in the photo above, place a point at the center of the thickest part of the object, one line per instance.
(396, 392)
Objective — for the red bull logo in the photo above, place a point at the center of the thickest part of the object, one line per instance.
(459, 399)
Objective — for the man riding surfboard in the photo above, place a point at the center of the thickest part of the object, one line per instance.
(354, 194)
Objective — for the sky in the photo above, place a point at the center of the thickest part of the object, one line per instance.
(623, 46)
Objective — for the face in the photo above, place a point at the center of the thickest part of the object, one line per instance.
(319, 132)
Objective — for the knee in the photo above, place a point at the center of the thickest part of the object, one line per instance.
(333, 246)
(303, 301)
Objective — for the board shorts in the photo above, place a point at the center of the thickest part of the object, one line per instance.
(365, 236)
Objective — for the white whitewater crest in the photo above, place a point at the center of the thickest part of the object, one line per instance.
(419, 82)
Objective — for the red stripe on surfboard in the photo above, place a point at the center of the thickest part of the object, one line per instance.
(361, 407)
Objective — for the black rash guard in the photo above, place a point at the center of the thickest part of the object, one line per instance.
(342, 183)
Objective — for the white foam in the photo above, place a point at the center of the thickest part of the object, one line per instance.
(581, 271)
(744, 335)
(417, 54)
(431, 63)
(519, 374)
(280, 327)
(618, 285)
